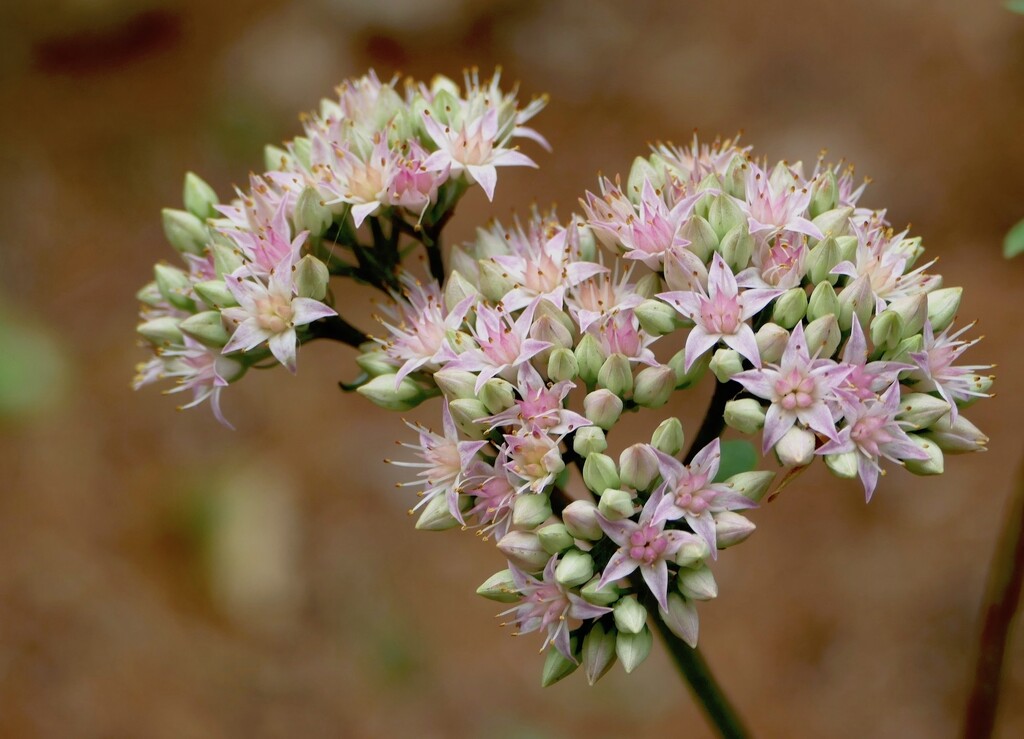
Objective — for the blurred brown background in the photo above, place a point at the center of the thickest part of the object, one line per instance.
(161, 576)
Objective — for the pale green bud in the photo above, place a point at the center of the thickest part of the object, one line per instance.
(557, 665)
(904, 349)
(843, 464)
(555, 538)
(725, 363)
(641, 171)
(735, 179)
(375, 363)
(381, 391)
(436, 516)
(822, 259)
(207, 328)
(688, 377)
(302, 149)
(600, 596)
(824, 193)
(630, 616)
(603, 408)
(796, 448)
(737, 247)
(856, 300)
(913, 310)
(956, 437)
(562, 365)
(632, 649)
(465, 264)
(311, 278)
(186, 233)
(497, 395)
(847, 248)
(887, 330)
(835, 222)
(456, 383)
(746, 415)
(823, 336)
(979, 384)
(697, 583)
(910, 248)
(616, 504)
(790, 307)
(580, 519)
(725, 214)
(654, 386)
(703, 239)
(226, 259)
(588, 440)
(215, 293)
(616, 375)
(681, 618)
(656, 318)
(161, 331)
(499, 587)
(942, 307)
(495, 283)
(311, 214)
(638, 466)
(934, 465)
(648, 286)
(692, 553)
(574, 568)
(752, 484)
(199, 197)
(599, 473)
(920, 410)
(731, 528)
(590, 358)
(456, 289)
(565, 326)
(684, 271)
(467, 412)
(174, 285)
(149, 294)
(587, 243)
(523, 549)
(668, 438)
(276, 159)
(823, 301)
(771, 342)
(598, 652)
(531, 510)
(781, 176)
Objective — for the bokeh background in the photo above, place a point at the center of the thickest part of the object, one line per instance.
(161, 576)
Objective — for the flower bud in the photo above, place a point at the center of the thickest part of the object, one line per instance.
(215, 294)
(920, 410)
(616, 504)
(587, 243)
(199, 197)
(823, 301)
(630, 616)
(302, 148)
(913, 309)
(375, 363)
(436, 516)
(654, 386)
(725, 363)
(497, 395)
(207, 328)
(590, 358)
(904, 349)
(598, 652)
(530, 510)
(856, 300)
(979, 384)
(703, 239)
(781, 176)
(574, 568)
(746, 415)
(752, 484)
(456, 383)
(555, 538)
(731, 528)
(524, 550)
(934, 465)
(823, 336)
(656, 318)
(641, 171)
(822, 259)
(580, 519)
(184, 231)
(467, 412)
(603, 408)
(311, 214)
(847, 248)
(557, 665)
(226, 259)
(771, 342)
(681, 618)
(824, 193)
(276, 158)
(735, 179)
(687, 377)
(725, 214)
(457, 288)
(835, 221)
(843, 464)
(648, 286)
(311, 278)
(684, 270)
(697, 583)
(500, 587)
(174, 285)
(790, 307)
(737, 247)
(638, 466)
(796, 447)
(693, 552)
(942, 307)
(588, 440)
(599, 473)
(956, 437)
(887, 330)
(616, 375)
(562, 365)
(911, 249)
(668, 438)
(632, 649)
(600, 596)
(383, 391)
(161, 331)
(149, 294)
(549, 329)
(495, 283)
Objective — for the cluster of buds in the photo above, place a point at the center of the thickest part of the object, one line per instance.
(375, 165)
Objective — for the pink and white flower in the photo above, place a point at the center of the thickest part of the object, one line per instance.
(534, 459)
(936, 372)
(502, 345)
(772, 208)
(865, 379)
(202, 371)
(539, 407)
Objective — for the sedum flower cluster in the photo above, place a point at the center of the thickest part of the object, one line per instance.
(824, 333)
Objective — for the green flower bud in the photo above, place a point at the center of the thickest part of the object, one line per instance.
(725, 363)
(600, 596)
(499, 587)
(162, 331)
(580, 519)
(276, 159)
(603, 408)
(956, 437)
(781, 176)
(697, 583)
(823, 301)
(822, 259)
(590, 358)
(687, 378)
(795, 448)
(735, 179)
(731, 528)
(574, 568)
(856, 300)
(824, 193)
(843, 464)
(588, 440)
(531, 510)
(681, 618)
(302, 149)
(456, 383)
(616, 504)
(630, 616)
(616, 375)
(911, 249)
(467, 412)
(497, 395)
(887, 330)
(913, 310)
(693, 553)
(703, 239)
(311, 278)
(599, 473)
(375, 363)
(215, 293)
(564, 332)
(495, 282)
(835, 222)
(639, 172)
(456, 289)
(942, 307)
(934, 465)
(587, 243)
(725, 214)
(557, 665)
(436, 516)
(207, 328)
(668, 438)
(752, 484)
(920, 410)
(186, 233)
(562, 365)
(175, 286)
(771, 342)
(554, 538)
(598, 652)
(746, 415)
(847, 248)
(311, 214)
(656, 318)
(226, 259)
(149, 294)
(737, 247)
(638, 466)
(199, 197)
(632, 649)
(823, 336)
(523, 549)
(904, 349)
(648, 286)
(790, 307)
(979, 384)
(654, 386)
(381, 390)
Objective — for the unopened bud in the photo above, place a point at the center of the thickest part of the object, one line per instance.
(497, 395)
(375, 363)
(603, 408)
(904, 349)
(654, 386)
(456, 383)
(771, 342)
(843, 464)
(599, 473)
(524, 550)
(616, 505)
(688, 377)
(574, 568)
(557, 665)
(641, 171)
(590, 358)
(184, 231)
(693, 552)
(174, 285)
(725, 363)
(562, 365)
(603, 596)
(920, 410)
(580, 519)
(823, 336)
(703, 239)
(495, 282)
(436, 516)
(383, 391)
(199, 197)
(530, 510)
(616, 375)
(933, 465)
(656, 318)
(638, 466)
(790, 307)
(942, 307)
(735, 179)
(457, 288)
(598, 652)
(207, 328)
(161, 331)
(697, 583)
(746, 415)
(887, 330)
(824, 193)
(555, 538)
(630, 616)
(632, 649)
(752, 484)
(311, 278)
(956, 437)
(911, 249)
(549, 329)
(822, 259)
(823, 301)
(835, 221)
(796, 447)
(668, 438)
(226, 259)
(681, 618)
(847, 248)
(724, 214)
(737, 247)
(311, 214)
(913, 309)
(731, 528)
(856, 300)
(215, 294)
(467, 412)
(500, 587)
(588, 440)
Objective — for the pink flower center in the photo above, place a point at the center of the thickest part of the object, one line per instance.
(274, 313)
(692, 494)
(472, 150)
(721, 314)
(445, 461)
(869, 432)
(542, 275)
(647, 545)
(794, 391)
